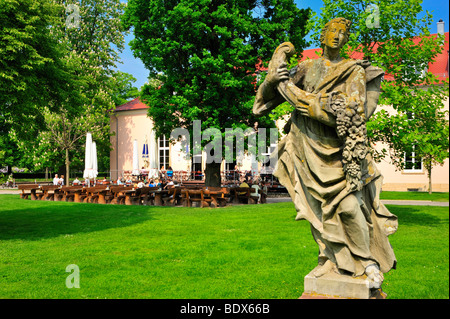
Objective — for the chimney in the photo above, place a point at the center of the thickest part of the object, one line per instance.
(440, 27)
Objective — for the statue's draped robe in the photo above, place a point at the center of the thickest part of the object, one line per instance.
(309, 166)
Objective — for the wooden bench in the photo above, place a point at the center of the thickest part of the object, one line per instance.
(141, 196)
(149, 198)
(263, 194)
(194, 196)
(92, 195)
(112, 192)
(67, 193)
(223, 198)
(173, 197)
(28, 190)
(48, 192)
(117, 193)
(241, 194)
(193, 184)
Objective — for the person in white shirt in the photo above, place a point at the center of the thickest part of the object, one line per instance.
(140, 184)
(255, 191)
(169, 184)
(76, 181)
(56, 180)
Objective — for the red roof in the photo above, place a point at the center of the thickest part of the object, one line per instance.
(135, 104)
(439, 67)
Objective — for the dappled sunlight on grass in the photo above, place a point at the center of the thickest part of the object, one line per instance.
(245, 251)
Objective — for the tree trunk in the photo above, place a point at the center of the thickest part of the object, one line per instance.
(429, 180)
(67, 167)
(212, 175)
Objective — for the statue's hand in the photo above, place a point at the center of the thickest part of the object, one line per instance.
(363, 63)
(314, 105)
(280, 74)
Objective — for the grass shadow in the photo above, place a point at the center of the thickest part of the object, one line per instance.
(34, 220)
(418, 215)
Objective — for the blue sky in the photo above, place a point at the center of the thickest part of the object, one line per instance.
(438, 8)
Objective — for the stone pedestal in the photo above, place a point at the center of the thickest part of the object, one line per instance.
(336, 286)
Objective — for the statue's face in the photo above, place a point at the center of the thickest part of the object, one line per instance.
(335, 36)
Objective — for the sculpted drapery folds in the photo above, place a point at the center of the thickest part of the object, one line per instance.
(324, 160)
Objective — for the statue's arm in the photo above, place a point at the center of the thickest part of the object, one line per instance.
(266, 99)
(313, 105)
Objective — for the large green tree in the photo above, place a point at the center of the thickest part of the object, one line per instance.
(396, 37)
(91, 37)
(32, 68)
(205, 52)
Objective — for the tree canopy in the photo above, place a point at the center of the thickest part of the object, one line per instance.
(205, 53)
(396, 37)
(60, 79)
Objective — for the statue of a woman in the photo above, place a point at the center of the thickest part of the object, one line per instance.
(324, 160)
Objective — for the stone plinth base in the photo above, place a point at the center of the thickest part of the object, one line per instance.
(336, 286)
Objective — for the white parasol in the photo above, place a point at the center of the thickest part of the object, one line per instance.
(135, 159)
(153, 171)
(94, 160)
(88, 159)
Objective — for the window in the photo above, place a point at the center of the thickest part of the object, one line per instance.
(421, 70)
(412, 162)
(164, 155)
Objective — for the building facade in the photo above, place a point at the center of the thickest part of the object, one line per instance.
(130, 125)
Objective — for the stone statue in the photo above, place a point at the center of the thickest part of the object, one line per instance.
(325, 162)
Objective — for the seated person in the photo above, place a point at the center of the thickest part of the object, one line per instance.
(56, 180)
(169, 184)
(140, 184)
(255, 191)
(243, 184)
(10, 181)
(170, 172)
(158, 183)
(76, 181)
(265, 191)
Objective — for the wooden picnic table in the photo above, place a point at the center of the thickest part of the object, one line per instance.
(147, 194)
(129, 194)
(29, 190)
(221, 195)
(159, 195)
(173, 196)
(117, 193)
(96, 194)
(214, 195)
(48, 191)
(78, 196)
(192, 196)
(241, 194)
(72, 193)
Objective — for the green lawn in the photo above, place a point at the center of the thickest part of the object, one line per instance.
(435, 197)
(246, 251)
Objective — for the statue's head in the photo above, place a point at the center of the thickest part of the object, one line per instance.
(335, 33)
